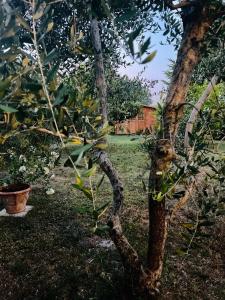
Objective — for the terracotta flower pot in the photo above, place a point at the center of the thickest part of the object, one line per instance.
(15, 197)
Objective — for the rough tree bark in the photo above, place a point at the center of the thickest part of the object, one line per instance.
(187, 58)
(198, 106)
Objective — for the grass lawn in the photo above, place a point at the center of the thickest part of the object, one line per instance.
(124, 139)
(52, 253)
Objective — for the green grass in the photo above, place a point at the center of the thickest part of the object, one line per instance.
(124, 139)
(52, 252)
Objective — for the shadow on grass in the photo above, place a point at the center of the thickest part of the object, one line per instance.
(46, 255)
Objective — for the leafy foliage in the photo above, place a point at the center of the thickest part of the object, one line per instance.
(125, 96)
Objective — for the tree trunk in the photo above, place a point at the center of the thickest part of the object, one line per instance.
(198, 106)
(187, 58)
(99, 68)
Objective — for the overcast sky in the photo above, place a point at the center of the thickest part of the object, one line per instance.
(156, 68)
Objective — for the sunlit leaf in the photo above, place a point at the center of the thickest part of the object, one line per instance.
(40, 11)
(101, 146)
(90, 172)
(76, 141)
(188, 225)
(25, 62)
(78, 181)
(87, 192)
(50, 26)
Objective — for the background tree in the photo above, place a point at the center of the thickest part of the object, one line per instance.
(125, 97)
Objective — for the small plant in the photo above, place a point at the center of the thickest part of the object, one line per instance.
(27, 163)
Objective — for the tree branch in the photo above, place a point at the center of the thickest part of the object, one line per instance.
(129, 256)
(99, 66)
(198, 106)
(182, 201)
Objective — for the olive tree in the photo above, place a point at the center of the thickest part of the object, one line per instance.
(198, 17)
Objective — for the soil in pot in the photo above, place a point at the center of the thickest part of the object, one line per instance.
(15, 197)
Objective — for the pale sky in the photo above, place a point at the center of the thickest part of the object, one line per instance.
(156, 68)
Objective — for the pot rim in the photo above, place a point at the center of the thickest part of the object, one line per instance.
(26, 188)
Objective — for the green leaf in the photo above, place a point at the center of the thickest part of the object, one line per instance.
(52, 73)
(126, 16)
(87, 192)
(131, 46)
(90, 172)
(77, 155)
(181, 252)
(106, 8)
(50, 26)
(166, 32)
(61, 92)
(188, 225)
(149, 58)
(101, 146)
(132, 36)
(51, 55)
(79, 182)
(100, 182)
(145, 46)
(158, 197)
(8, 109)
(100, 211)
(81, 149)
(40, 11)
(4, 84)
(31, 86)
(23, 23)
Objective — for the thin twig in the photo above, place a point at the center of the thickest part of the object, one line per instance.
(44, 84)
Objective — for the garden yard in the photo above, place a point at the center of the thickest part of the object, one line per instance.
(52, 253)
(137, 217)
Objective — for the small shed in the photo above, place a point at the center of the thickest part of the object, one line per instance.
(144, 121)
